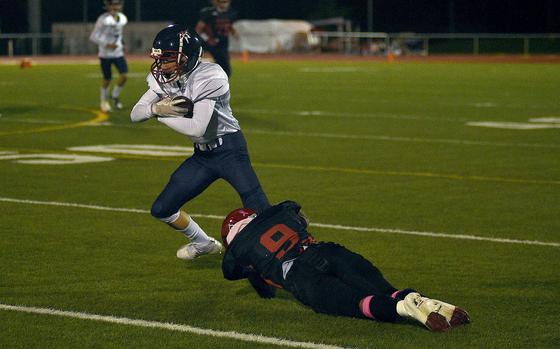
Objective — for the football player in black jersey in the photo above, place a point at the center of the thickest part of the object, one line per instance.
(215, 26)
(275, 250)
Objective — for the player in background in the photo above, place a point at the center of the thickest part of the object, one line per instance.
(108, 35)
(215, 26)
(193, 98)
(274, 248)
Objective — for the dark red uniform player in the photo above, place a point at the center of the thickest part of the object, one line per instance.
(274, 250)
(215, 26)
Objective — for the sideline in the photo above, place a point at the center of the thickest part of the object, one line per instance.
(318, 225)
(169, 326)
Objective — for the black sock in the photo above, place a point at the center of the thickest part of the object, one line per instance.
(399, 295)
(381, 308)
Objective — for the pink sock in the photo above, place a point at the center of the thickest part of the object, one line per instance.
(365, 307)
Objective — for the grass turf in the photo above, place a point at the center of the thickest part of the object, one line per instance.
(357, 144)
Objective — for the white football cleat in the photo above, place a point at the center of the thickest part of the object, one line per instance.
(435, 315)
(105, 107)
(193, 250)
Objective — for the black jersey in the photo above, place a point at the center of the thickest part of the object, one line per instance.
(218, 24)
(275, 236)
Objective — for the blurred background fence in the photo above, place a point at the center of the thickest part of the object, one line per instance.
(73, 39)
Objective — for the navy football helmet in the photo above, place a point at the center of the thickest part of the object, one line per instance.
(176, 51)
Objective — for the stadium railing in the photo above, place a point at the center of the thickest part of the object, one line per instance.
(437, 43)
(359, 43)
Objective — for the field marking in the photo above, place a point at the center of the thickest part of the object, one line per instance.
(400, 139)
(513, 125)
(129, 74)
(552, 119)
(411, 174)
(321, 113)
(450, 176)
(329, 135)
(99, 118)
(53, 159)
(319, 225)
(168, 326)
(137, 149)
(33, 121)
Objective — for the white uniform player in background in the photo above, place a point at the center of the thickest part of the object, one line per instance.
(108, 35)
(203, 114)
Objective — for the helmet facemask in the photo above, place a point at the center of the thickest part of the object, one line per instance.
(168, 66)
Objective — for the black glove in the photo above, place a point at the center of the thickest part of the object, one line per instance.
(263, 289)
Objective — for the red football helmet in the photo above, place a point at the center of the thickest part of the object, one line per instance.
(234, 217)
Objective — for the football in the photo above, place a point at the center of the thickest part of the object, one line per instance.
(186, 103)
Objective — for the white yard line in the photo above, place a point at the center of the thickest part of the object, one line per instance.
(246, 337)
(401, 139)
(319, 225)
(323, 114)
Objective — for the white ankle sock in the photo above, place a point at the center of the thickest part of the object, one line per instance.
(116, 91)
(195, 233)
(104, 93)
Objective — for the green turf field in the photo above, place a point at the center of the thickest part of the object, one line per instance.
(466, 214)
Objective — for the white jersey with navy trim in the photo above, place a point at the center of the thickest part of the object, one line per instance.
(208, 87)
(109, 30)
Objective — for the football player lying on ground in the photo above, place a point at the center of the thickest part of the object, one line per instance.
(274, 250)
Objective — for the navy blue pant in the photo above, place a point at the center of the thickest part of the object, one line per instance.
(230, 162)
(106, 64)
(332, 279)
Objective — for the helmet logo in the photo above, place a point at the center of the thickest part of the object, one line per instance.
(156, 52)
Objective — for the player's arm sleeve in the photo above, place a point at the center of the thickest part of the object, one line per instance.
(232, 270)
(263, 289)
(296, 208)
(204, 102)
(290, 205)
(142, 111)
(97, 33)
(195, 126)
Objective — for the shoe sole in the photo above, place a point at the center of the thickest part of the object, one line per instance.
(437, 323)
(460, 317)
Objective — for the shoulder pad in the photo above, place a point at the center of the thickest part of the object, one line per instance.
(124, 19)
(153, 85)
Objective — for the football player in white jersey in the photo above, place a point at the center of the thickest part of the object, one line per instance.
(192, 98)
(108, 35)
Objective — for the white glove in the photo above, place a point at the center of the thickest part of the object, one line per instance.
(169, 107)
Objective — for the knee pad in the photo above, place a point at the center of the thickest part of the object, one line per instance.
(163, 213)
